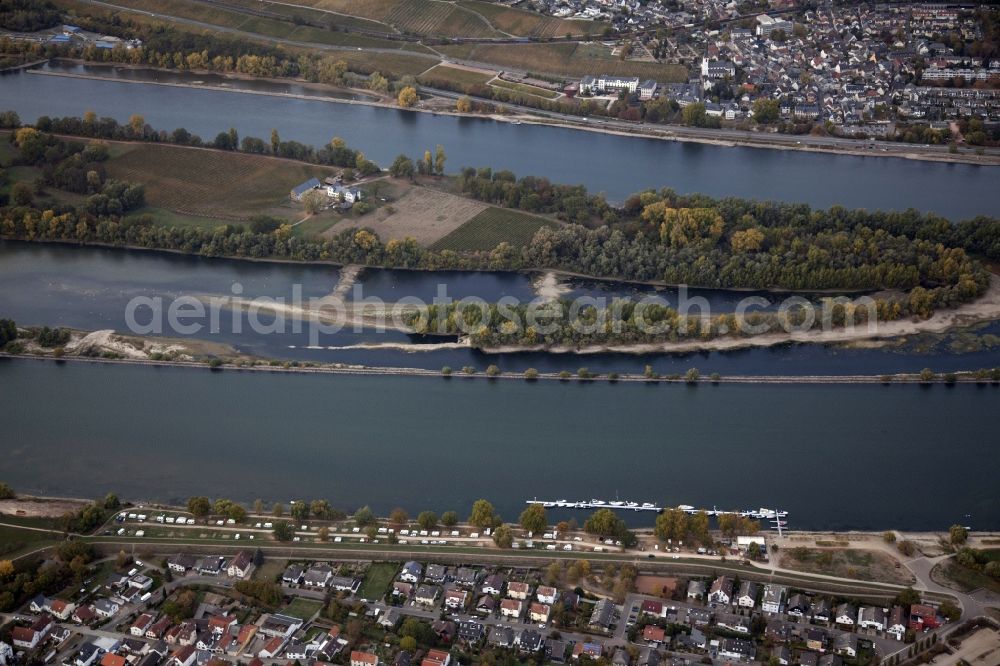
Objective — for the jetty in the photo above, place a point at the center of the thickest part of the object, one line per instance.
(774, 515)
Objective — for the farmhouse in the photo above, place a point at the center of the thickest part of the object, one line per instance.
(299, 191)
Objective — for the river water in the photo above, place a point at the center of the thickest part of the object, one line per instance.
(615, 165)
(90, 288)
(866, 457)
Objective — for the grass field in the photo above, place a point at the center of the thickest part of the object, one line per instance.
(15, 541)
(455, 75)
(417, 17)
(530, 24)
(377, 580)
(564, 59)
(490, 228)
(853, 563)
(525, 89)
(969, 579)
(210, 183)
(302, 608)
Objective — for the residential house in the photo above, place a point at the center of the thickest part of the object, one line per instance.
(897, 623)
(184, 656)
(210, 566)
(648, 657)
(432, 658)
(539, 612)
(6, 654)
(466, 577)
(240, 566)
(471, 632)
(652, 607)
(517, 590)
(400, 589)
(221, 624)
(61, 609)
(84, 615)
(782, 655)
(271, 649)
(181, 563)
(87, 655)
(293, 575)
(871, 617)
(455, 597)
(821, 611)
(737, 623)
(486, 604)
(529, 641)
(445, 630)
(28, 638)
(345, 584)
(721, 592)
(412, 572)
(923, 618)
(112, 659)
(436, 573)
(546, 594)
(390, 618)
(798, 605)
(747, 597)
(808, 659)
(603, 615)
(279, 626)
(511, 608)
(699, 617)
(653, 634)
(816, 639)
(141, 624)
(592, 650)
(772, 598)
(158, 628)
(427, 595)
(846, 615)
(555, 650)
(493, 584)
(845, 644)
(830, 660)
(696, 590)
(621, 658)
(318, 575)
(501, 637)
(737, 648)
(295, 650)
(300, 190)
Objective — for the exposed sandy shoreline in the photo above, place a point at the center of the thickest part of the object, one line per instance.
(640, 131)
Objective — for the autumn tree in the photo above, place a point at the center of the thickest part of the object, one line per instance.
(399, 517)
(747, 240)
(533, 518)
(407, 97)
(449, 519)
(378, 83)
(199, 506)
(464, 104)
(483, 514)
(672, 524)
(313, 201)
(427, 520)
(275, 141)
(439, 159)
(503, 537)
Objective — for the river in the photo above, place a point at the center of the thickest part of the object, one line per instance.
(864, 457)
(615, 165)
(89, 288)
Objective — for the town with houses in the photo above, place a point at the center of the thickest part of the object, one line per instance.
(191, 609)
(864, 70)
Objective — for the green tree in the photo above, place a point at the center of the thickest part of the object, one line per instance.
(275, 141)
(957, 535)
(6, 492)
(693, 115)
(408, 644)
(449, 519)
(672, 524)
(320, 508)
(766, 111)
(427, 520)
(283, 531)
(483, 514)
(402, 167)
(503, 536)
(399, 517)
(439, 160)
(199, 506)
(533, 518)
(378, 83)
(364, 517)
(299, 510)
(21, 194)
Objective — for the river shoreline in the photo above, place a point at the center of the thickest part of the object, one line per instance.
(517, 117)
(962, 377)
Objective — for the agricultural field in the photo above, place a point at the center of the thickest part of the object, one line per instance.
(188, 10)
(423, 214)
(419, 17)
(521, 23)
(456, 76)
(564, 59)
(524, 89)
(377, 580)
(211, 183)
(314, 15)
(491, 227)
(393, 64)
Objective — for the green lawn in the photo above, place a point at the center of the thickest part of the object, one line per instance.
(491, 227)
(15, 541)
(302, 608)
(970, 579)
(378, 579)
